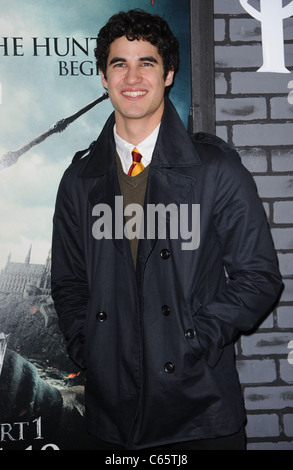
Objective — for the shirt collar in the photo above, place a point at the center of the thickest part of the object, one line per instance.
(146, 148)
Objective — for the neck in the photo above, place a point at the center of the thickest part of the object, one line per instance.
(135, 131)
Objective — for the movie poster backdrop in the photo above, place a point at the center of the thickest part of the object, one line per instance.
(49, 87)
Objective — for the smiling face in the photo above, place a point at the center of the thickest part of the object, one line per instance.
(136, 84)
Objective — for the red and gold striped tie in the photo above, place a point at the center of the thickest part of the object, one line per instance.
(136, 166)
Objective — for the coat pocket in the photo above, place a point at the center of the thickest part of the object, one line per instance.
(203, 328)
(75, 348)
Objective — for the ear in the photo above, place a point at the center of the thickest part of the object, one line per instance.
(169, 78)
(104, 80)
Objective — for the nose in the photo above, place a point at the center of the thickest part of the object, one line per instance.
(132, 76)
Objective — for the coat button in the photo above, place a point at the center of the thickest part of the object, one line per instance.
(165, 253)
(190, 333)
(165, 310)
(169, 367)
(101, 316)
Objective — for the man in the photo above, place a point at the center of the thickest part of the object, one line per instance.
(151, 318)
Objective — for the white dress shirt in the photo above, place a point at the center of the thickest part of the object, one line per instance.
(145, 148)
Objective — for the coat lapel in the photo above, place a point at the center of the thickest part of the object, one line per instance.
(106, 196)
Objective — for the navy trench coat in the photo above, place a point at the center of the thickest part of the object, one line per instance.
(157, 341)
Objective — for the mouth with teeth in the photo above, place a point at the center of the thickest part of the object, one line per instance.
(134, 94)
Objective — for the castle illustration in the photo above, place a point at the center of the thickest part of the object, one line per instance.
(26, 278)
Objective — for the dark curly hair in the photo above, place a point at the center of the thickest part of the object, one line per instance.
(140, 25)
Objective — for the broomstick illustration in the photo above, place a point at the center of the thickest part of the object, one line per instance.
(10, 158)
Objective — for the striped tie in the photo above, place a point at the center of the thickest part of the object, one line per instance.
(136, 166)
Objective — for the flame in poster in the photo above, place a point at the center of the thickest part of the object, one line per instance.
(71, 376)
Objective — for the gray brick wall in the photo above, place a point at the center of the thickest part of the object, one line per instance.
(254, 113)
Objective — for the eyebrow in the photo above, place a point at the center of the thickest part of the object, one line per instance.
(148, 59)
(141, 59)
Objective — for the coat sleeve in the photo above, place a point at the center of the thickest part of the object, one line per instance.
(248, 255)
(69, 280)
